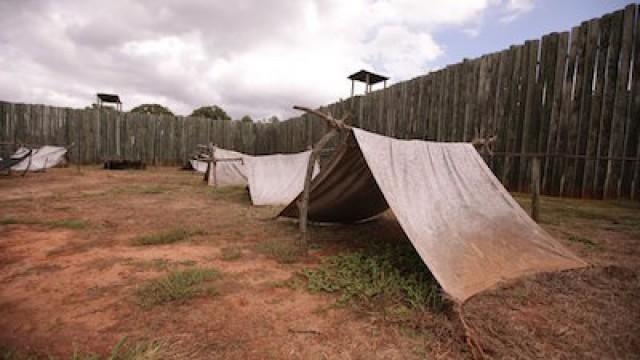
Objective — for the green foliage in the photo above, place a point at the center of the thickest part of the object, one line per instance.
(211, 112)
(386, 276)
(178, 286)
(246, 118)
(154, 109)
(167, 237)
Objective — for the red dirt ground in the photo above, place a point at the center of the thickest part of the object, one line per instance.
(67, 288)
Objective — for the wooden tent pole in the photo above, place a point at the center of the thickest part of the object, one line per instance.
(303, 204)
(214, 173)
(535, 189)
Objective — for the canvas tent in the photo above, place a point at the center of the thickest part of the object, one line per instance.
(462, 222)
(272, 179)
(276, 179)
(41, 158)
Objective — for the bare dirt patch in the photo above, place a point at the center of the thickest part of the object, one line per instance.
(73, 288)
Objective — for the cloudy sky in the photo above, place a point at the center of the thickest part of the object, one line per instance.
(256, 57)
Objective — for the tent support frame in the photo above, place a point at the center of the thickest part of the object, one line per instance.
(336, 126)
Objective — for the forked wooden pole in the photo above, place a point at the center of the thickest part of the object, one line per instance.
(303, 204)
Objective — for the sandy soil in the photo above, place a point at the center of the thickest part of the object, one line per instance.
(72, 288)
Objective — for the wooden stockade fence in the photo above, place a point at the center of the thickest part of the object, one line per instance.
(572, 99)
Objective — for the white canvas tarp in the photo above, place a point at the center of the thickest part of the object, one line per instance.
(462, 222)
(42, 158)
(276, 179)
(228, 173)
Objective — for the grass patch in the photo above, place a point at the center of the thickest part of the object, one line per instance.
(383, 278)
(283, 251)
(70, 223)
(230, 253)
(157, 264)
(582, 240)
(296, 281)
(167, 237)
(177, 286)
(136, 189)
(230, 193)
(143, 350)
(9, 220)
(73, 224)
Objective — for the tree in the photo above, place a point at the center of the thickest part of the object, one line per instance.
(212, 112)
(155, 109)
(273, 119)
(246, 118)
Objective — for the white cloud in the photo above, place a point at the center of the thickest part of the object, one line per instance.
(249, 56)
(515, 8)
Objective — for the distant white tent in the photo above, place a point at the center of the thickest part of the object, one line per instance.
(42, 158)
(228, 173)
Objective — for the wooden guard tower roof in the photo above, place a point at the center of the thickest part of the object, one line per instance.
(372, 77)
(109, 98)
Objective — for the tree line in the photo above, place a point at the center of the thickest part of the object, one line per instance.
(214, 112)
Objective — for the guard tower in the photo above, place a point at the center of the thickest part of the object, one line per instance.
(109, 98)
(368, 78)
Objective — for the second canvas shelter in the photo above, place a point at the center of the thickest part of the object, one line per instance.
(272, 179)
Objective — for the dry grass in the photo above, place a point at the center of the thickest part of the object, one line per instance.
(142, 350)
(230, 253)
(590, 313)
(283, 251)
(69, 223)
(167, 237)
(177, 286)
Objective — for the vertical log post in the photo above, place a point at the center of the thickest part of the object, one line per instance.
(213, 175)
(535, 189)
(303, 203)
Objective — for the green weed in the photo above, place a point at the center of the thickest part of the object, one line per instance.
(167, 237)
(177, 286)
(388, 278)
